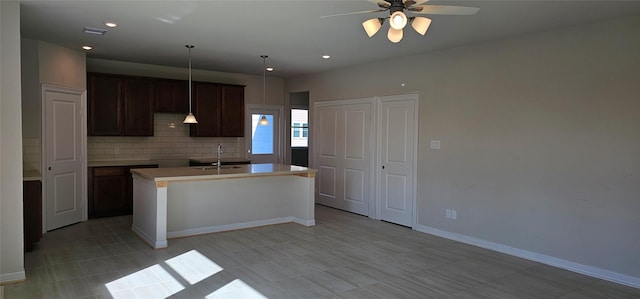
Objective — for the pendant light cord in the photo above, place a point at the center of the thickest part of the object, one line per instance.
(189, 47)
(264, 79)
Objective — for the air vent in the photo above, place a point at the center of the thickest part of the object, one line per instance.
(96, 31)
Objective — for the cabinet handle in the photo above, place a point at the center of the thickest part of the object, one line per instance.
(49, 167)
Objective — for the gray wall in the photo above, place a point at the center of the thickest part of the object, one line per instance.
(540, 141)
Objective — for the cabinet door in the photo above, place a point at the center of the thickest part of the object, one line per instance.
(108, 195)
(138, 107)
(32, 213)
(171, 96)
(104, 106)
(232, 111)
(206, 107)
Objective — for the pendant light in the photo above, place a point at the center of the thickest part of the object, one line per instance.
(263, 119)
(190, 118)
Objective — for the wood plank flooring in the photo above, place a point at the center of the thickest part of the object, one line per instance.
(343, 256)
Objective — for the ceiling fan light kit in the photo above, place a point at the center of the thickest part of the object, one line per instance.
(398, 19)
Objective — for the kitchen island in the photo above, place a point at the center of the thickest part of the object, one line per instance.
(186, 201)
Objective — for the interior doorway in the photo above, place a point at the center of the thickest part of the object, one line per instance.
(299, 128)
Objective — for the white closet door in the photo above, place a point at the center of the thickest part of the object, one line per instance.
(64, 167)
(397, 147)
(343, 154)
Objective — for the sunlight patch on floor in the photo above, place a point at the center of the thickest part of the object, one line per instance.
(236, 289)
(193, 266)
(151, 282)
(156, 282)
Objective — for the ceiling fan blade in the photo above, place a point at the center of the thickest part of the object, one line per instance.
(409, 3)
(381, 3)
(443, 10)
(354, 13)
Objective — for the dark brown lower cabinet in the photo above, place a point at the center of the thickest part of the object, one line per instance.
(111, 190)
(32, 213)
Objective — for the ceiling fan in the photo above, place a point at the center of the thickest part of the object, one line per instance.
(398, 19)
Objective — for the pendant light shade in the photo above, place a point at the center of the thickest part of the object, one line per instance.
(263, 120)
(190, 118)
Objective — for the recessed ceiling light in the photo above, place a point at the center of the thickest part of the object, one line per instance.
(87, 48)
(96, 31)
(326, 56)
(110, 24)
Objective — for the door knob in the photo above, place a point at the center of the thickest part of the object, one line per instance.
(382, 166)
(49, 167)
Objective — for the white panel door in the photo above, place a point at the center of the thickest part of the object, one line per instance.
(343, 155)
(63, 144)
(397, 147)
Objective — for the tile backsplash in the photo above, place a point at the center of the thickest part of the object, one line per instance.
(31, 152)
(171, 144)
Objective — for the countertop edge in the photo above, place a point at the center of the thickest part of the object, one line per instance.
(232, 174)
(116, 163)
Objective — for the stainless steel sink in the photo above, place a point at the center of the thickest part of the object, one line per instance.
(215, 167)
(229, 167)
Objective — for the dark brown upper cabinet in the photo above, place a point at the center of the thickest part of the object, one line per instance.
(219, 109)
(119, 105)
(104, 104)
(171, 96)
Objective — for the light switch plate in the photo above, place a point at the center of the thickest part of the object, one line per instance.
(435, 144)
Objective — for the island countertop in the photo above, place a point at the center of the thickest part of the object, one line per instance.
(199, 173)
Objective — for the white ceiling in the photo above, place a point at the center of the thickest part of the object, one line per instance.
(230, 36)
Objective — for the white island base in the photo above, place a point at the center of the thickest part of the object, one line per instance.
(178, 202)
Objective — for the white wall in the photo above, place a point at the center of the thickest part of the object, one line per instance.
(540, 139)
(11, 236)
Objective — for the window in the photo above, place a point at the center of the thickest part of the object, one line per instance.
(299, 128)
(262, 136)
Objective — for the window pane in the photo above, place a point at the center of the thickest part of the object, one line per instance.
(261, 135)
(299, 131)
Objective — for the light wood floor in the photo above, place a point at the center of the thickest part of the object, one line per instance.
(343, 256)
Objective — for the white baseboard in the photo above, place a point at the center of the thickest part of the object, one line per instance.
(304, 222)
(226, 227)
(148, 239)
(7, 278)
(624, 279)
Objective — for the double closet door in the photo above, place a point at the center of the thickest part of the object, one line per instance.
(365, 153)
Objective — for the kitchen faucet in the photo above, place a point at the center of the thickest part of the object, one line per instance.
(219, 151)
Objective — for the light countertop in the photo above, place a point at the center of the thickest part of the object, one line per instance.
(121, 163)
(198, 173)
(223, 160)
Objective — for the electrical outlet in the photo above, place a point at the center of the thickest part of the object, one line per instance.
(451, 214)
